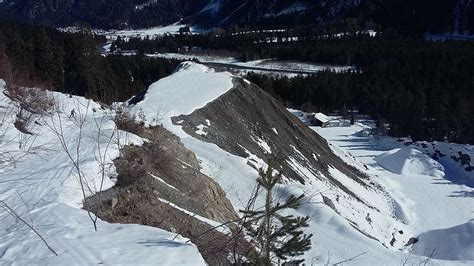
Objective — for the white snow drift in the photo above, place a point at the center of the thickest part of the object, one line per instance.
(191, 87)
(408, 161)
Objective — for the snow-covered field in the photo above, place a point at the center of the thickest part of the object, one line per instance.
(150, 33)
(267, 66)
(39, 184)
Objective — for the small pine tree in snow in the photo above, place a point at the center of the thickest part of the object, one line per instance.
(275, 235)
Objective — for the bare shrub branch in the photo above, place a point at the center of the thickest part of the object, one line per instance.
(5, 206)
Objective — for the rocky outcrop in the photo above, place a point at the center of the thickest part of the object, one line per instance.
(160, 185)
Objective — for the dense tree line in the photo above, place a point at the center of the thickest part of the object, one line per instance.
(40, 56)
(430, 108)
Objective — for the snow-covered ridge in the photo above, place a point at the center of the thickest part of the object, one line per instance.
(190, 87)
(408, 161)
(40, 184)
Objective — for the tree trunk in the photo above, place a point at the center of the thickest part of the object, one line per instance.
(268, 224)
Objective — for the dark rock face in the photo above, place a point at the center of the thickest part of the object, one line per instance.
(247, 121)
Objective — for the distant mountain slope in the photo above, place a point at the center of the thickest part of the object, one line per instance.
(420, 16)
(100, 13)
(268, 12)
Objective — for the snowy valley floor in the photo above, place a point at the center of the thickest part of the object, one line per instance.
(439, 210)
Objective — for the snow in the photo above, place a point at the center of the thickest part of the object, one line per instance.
(42, 186)
(151, 33)
(294, 8)
(297, 7)
(436, 206)
(445, 152)
(454, 243)
(146, 4)
(262, 144)
(213, 7)
(203, 58)
(408, 161)
(163, 181)
(202, 130)
(266, 65)
(191, 87)
(272, 64)
(218, 226)
(322, 117)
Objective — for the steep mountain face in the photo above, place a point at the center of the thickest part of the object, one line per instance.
(100, 14)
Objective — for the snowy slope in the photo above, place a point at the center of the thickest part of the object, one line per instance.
(437, 204)
(193, 86)
(42, 187)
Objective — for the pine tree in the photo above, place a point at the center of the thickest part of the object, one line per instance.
(275, 235)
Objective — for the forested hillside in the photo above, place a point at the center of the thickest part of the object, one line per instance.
(409, 16)
(99, 14)
(40, 56)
